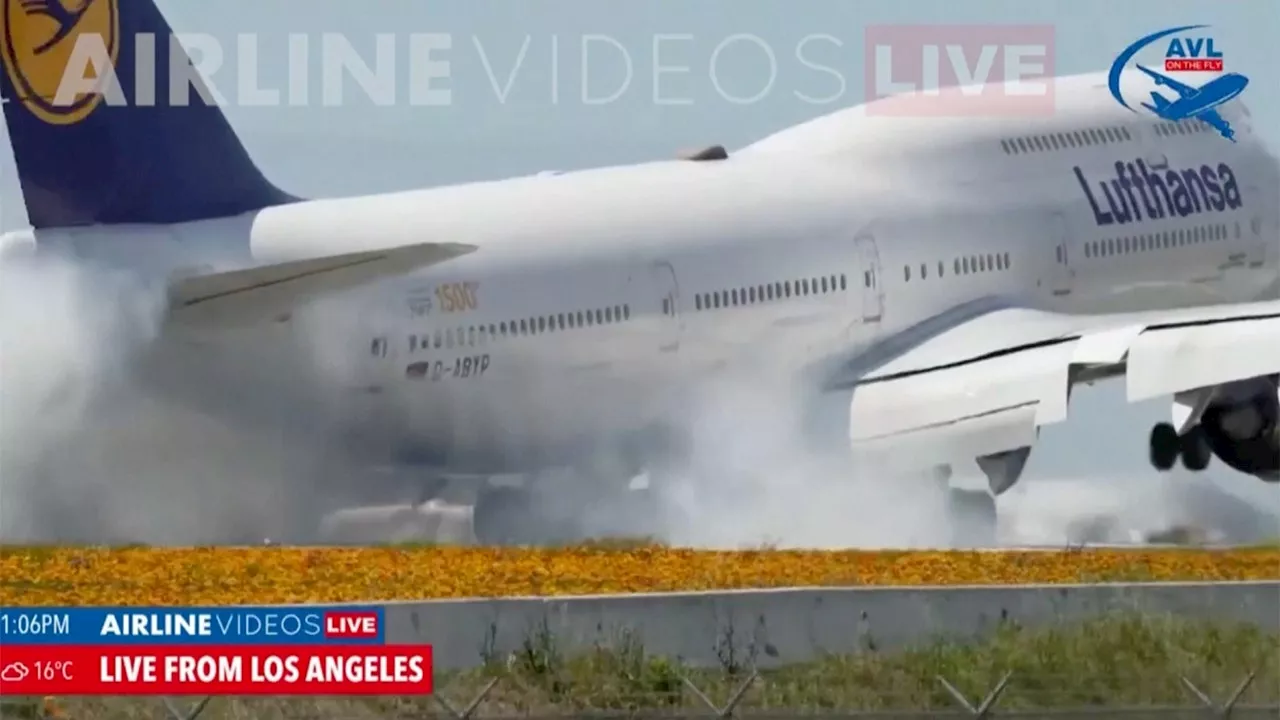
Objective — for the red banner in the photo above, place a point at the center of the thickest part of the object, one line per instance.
(215, 670)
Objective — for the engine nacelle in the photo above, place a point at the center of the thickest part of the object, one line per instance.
(1242, 427)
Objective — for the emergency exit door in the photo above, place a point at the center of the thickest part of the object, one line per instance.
(872, 293)
(667, 288)
(1061, 276)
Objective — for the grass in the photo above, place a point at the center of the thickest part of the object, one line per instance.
(1117, 661)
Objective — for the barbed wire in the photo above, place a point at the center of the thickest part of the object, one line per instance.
(687, 698)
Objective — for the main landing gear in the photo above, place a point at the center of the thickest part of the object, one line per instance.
(1166, 446)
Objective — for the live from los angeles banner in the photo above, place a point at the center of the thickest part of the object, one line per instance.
(206, 651)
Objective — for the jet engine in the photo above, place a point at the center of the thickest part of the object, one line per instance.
(1239, 423)
(1242, 427)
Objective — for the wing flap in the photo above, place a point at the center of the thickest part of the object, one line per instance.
(270, 292)
(1165, 361)
(991, 380)
(909, 403)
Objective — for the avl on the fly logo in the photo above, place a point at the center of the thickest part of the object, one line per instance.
(1186, 50)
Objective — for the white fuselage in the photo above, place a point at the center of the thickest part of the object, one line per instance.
(598, 299)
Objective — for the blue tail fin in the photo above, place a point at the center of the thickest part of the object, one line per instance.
(126, 154)
(1158, 104)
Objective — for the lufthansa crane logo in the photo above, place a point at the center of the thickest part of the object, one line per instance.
(40, 39)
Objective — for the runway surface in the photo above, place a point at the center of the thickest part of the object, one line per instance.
(1042, 514)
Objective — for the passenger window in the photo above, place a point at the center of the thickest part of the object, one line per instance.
(1008, 261)
(471, 336)
(1004, 144)
(1022, 145)
(697, 302)
(608, 312)
(906, 272)
(923, 274)
(957, 268)
(626, 312)
(991, 262)
(940, 269)
(599, 317)
(581, 319)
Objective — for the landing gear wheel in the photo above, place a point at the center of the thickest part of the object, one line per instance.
(1195, 449)
(972, 517)
(1164, 446)
(504, 516)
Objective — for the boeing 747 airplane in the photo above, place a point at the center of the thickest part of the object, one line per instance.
(934, 288)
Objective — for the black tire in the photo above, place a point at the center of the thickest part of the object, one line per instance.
(1195, 449)
(1164, 446)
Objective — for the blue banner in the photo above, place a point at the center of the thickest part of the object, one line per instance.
(283, 625)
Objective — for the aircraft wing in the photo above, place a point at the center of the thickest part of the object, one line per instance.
(1181, 88)
(271, 292)
(1217, 122)
(985, 383)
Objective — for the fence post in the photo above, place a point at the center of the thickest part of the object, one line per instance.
(984, 708)
(727, 710)
(191, 714)
(1224, 710)
(466, 712)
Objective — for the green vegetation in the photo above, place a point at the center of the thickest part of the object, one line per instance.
(1120, 661)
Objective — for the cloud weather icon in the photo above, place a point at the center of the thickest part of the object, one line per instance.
(14, 672)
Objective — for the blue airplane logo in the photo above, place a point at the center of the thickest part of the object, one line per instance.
(1200, 103)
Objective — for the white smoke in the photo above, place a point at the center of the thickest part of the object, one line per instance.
(100, 442)
(66, 336)
(757, 475)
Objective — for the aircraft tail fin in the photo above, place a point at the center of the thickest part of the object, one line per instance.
(98, 136)
(1158, 104)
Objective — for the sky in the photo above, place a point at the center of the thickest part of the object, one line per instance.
(541, 122)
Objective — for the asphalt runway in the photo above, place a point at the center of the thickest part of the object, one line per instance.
(1042, 514)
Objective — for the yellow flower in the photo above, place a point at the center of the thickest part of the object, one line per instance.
(229, 576)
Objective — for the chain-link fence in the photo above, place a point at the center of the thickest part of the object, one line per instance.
(664, 691)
